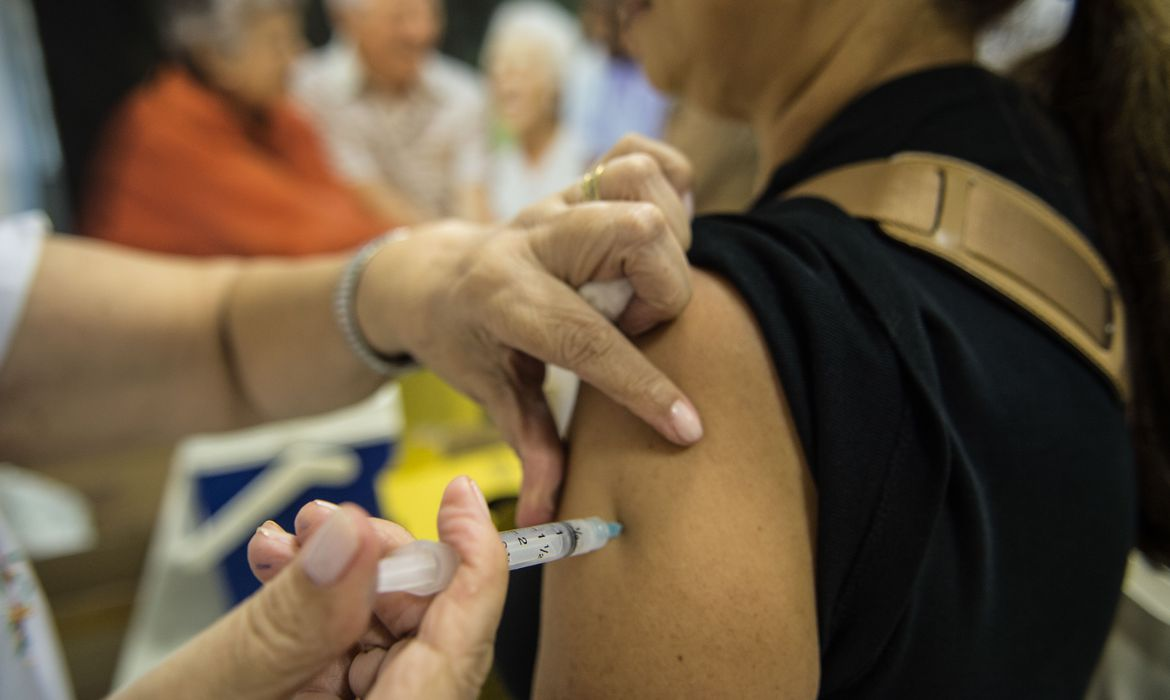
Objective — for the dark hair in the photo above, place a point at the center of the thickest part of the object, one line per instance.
(1108, 83)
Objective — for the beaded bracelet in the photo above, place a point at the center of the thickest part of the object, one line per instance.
(345, 309)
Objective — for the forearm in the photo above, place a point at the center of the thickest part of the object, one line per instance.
(283, 343)
(117, 348)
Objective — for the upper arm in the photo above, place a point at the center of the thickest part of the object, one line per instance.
(109, 339)
(709, 591)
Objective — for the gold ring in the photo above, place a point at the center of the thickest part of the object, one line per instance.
(591, 184)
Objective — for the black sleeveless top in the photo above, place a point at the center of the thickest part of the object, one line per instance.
(975, 481)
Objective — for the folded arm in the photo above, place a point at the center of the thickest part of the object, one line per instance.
(709, 591)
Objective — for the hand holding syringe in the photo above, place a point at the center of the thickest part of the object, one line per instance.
(424, 567)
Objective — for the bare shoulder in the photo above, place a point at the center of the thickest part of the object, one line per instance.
(710, 590)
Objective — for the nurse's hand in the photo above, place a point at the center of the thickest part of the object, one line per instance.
(307, 633)
(486, 308)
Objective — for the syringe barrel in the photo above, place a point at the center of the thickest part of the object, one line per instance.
(423, 567)
(592, 534)
(542, 544)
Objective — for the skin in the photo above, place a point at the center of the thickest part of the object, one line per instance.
(834, 51)
(394, 39)
(525, 92)
(303, 638)
(253, 70)
(659, 615)
(117, 347)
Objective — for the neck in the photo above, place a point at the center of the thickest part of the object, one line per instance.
(783, 125)
(536, 139)
(393, 88)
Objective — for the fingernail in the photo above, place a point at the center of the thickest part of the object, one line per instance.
(479, 497)
(325, 504)
(685, 421)
(329, 552)
(271, 531)
(689, 203)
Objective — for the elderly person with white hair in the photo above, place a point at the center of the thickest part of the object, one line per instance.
(210, 158)
(527, 54)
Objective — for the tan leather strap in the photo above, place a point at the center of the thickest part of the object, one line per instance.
(998, 233)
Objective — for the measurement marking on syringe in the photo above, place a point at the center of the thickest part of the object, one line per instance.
(424, 568)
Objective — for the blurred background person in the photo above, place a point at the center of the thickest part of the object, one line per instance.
(30, 159)
(526, 56)
(608, 94)
(209, 157)
(404, 123)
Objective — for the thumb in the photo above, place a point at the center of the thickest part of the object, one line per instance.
(310, 614)
(281, 638)
(452, 653)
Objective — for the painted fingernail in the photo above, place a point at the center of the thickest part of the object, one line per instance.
(276, 535)
(329, 552)
(685, 421)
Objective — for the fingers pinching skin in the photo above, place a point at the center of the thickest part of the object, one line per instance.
(670, 164)
(607, 360)
(637, 177)
(675, 166)
(627, 240)
(557, 326)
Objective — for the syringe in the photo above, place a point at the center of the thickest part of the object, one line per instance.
(424, 567)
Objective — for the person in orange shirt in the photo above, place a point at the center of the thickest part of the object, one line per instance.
(209, 158)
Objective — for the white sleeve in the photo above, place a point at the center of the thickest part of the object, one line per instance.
(21, 239)
(31, 664)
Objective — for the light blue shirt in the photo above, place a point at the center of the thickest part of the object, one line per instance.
(608, 98)
(30, 157)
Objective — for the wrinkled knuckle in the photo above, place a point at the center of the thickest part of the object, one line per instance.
(675, 297)
(482, 279)
(646, 223)
(271, 634)
(641, 166)
(632, 141)
(584, 342)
